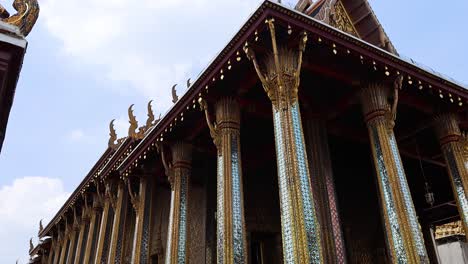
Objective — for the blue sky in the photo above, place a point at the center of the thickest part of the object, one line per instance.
(88, 60)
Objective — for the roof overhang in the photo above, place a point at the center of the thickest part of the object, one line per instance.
(12, 50)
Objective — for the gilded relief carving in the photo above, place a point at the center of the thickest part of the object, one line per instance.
(340, 19)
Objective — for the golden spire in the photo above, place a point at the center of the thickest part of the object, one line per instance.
(26, 16)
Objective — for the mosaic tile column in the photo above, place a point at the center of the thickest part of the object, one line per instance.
(93, 231)
(300, 228)
(404, 238)
(230, 222)
(81, 242)
(142, 204)
(104, 231)
(321, 175)
(120, 212)
(452, 145)
(179, 175)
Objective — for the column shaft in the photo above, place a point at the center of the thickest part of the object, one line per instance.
(71, 245)
(231, 235)
(116, 246)
(104, 232)
(81, 240)
(179, 177)
(141, 204)
(321, 174)
(404, 237)
(93, 232)
(63, 249)
(300, 228)
(450, 139)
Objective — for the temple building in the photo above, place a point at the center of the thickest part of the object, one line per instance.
(13, 30)
(308, 139)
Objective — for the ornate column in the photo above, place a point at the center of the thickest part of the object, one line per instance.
(141, 203)
(300, 228)
(453, 146)
(64, 245)
(75, 229)
(404, 238)
(178, 173)
(120, 212)
(106, 226)
(321, 175)
(231, 235)
(93, 231)
(81, 242)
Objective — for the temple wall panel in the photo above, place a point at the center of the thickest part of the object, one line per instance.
(197, 212)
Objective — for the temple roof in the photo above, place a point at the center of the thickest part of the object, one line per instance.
(362, 51)
(355, 17)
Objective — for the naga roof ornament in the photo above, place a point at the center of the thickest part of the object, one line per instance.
(26, 16)
(175, 98)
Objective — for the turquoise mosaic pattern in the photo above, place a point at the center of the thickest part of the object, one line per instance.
(181, 251)
(310, 220)
(220, 211)
(388, 200)
(413, 219)
(285, 195)
(457, 182)
(237, 223)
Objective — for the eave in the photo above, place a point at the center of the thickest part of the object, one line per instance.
(103, 160)
(296, 19)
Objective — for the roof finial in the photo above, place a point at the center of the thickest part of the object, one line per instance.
(113, 135)
(26, 16)
(149, 121)
(188, 83)
(175, 98)
(31, 245)
(133, 123)
(40, 226)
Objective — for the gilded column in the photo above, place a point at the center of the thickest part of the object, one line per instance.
(300, 228)
(178, 173)
(404, 238)
(64, 246)
(116, 247)
(72, 244)
(141, 203)
(231, 235)
(321, 174)
(453, 146)
(80, 244)
(93, 231)
(105, 228)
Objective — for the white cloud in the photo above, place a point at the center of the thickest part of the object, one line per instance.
(148, 44)
(76, 135)
(22, 205)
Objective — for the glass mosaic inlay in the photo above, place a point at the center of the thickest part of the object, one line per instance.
(388, 200)
(457, 182)
(146, 222)
(311, 225)
(182, 219)
(220, 211)
(237, 212)
(169, 230)
(285, 196)
(413, 219)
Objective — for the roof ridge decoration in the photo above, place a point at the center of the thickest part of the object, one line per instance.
(26, 16)
(336, 14)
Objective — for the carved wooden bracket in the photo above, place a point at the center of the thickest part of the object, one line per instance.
(134, 198)
(167, 165)
(214, 132)
(397, 85)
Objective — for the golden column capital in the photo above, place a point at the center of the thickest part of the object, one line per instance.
(447, 128)
(281, 76)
